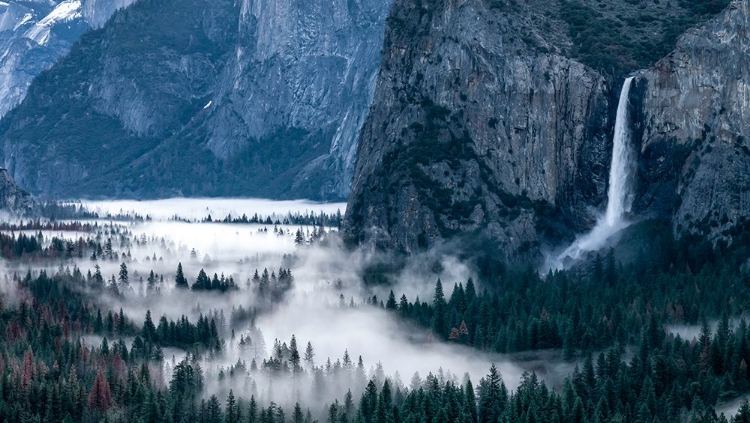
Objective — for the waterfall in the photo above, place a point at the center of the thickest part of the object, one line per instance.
(620, 195)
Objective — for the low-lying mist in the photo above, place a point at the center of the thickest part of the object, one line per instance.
(327, 304)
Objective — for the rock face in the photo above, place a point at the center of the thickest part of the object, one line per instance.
(476, 131)
(309, 66)
(203, 97)
(34, 34)
(693, 122)
(485, 122)
(12, 198)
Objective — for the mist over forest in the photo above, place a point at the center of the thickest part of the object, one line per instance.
(232, 310)
(272, 291)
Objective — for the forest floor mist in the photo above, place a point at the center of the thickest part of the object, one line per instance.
(327, 304)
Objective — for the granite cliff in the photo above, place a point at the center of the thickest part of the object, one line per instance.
(693, 123)
(13, 199)
(493, 120)
(465, 138)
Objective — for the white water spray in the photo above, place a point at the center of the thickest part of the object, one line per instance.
(620, 195)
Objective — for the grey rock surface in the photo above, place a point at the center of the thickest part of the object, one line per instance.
(483, 127)
(473, 131)
(308, 65)
(693, 120)
(13, 199)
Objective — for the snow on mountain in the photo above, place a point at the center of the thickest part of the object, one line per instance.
(35, 33)
(62, 13)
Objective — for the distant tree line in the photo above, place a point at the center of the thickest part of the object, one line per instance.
(321, 219)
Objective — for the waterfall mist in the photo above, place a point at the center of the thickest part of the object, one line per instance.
(620, 194)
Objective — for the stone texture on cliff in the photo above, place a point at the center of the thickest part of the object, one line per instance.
(474, 130)
(693, 124)
(12, 198)
(308, 65)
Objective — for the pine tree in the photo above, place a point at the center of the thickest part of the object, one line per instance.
(213, 407)
(180, 280)
(113, 288)
(297, 416)
(403, 306)
(100, 397)
(385, 403)
(108, 249)
(333, 413)
(124, 279)
(309, 355)
(256, 279)
(439, 306)
(151, 283)
(232, 409)
(743, 413)
(294, 358)
(369, 402)
(349, 405)
(492, 397)
(202, 282)
(252, 410)
(264, 286)
(150, 409)
(391, 303)
(98, 279)
(121, 322)
(149, 330)
(470, 291)
(471, 400)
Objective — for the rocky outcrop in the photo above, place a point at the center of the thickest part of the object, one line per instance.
(34, 34)
(12, 198)
(476, 130)
(198, 97)
(304, 65)
(97, 12)
(693, 128)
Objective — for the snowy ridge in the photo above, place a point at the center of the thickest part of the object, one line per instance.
(35, 33)
(63, 12)
(25, 19)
